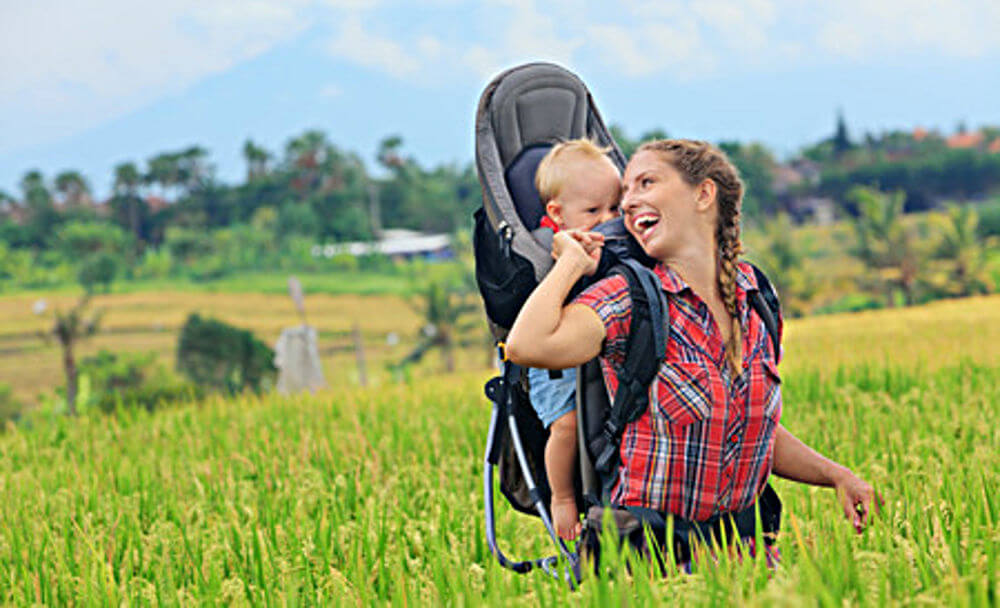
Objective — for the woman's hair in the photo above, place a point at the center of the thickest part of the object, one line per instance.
(697, 161)
(552, 172)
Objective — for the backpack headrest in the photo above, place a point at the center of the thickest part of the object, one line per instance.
(520, 178)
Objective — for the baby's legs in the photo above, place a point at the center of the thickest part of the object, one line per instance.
(560, 462)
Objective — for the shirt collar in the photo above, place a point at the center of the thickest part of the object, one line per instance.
(672, 282)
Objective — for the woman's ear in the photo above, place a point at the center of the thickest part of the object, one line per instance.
(705, 193)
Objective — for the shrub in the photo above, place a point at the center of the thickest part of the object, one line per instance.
(10, 408)
(989, 219)
(99, 268)
(133, 380)
(219, 356)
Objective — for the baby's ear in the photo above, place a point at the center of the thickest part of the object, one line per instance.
(554, 210)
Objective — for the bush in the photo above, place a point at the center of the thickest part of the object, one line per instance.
(219, 356)
(10, 408)
(155, 264)
(133, 380)
(99, 268)
(989, 219)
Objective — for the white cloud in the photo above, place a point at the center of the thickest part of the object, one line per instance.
(655, 47)
(860, 29)
(71, 65)
(363, 47)
(66, 65)
(663, 37)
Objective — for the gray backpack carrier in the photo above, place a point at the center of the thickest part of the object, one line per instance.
(521, 114)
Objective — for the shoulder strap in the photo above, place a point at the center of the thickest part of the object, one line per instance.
(645, 349)
(765, 301)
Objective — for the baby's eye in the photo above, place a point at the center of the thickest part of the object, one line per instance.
(592, 210)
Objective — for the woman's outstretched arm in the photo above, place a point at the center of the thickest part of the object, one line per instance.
(546, 334)
(796, 461)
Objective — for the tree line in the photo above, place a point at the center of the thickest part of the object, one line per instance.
(171, 215)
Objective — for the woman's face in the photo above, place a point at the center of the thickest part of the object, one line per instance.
(658, 205)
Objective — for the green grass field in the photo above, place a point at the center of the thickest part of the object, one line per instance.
(362, 497)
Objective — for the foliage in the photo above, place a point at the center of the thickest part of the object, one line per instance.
(756, 166)
(70, 327)
(133, 380)
(886, 244)
(221, 357)
(99, 268)
(786, 265)
(327, 499)
(957, 174)
(963, 253)
(444, 303)
(10, 408)
(989, 220)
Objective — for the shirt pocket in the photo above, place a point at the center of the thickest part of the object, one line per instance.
(682, 393)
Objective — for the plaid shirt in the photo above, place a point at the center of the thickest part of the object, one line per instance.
(705, 444)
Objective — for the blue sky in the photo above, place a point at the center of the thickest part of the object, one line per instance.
(88, 85)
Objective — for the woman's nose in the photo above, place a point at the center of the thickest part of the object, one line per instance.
(627, 204)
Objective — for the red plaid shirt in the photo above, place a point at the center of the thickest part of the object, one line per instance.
(705, 444)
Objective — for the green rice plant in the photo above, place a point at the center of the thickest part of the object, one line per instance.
(372, 497)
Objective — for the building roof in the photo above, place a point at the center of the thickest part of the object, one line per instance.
(965, 140)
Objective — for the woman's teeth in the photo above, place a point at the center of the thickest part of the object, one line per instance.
(644, 224)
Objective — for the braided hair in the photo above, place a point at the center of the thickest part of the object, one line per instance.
(697, 161)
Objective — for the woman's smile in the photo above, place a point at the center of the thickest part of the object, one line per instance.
(644, 224)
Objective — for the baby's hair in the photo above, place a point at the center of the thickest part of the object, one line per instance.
(551, 175)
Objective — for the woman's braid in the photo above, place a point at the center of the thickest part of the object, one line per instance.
(697, 161)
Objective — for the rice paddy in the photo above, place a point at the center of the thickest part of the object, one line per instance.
(372, 496)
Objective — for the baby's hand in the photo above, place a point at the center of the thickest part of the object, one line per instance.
(584, 246)
(566, 518)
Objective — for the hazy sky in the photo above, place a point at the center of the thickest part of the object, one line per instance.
(86, 85)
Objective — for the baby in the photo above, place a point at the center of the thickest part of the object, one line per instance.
(580, 188)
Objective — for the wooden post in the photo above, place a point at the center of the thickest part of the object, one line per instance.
(359, 352)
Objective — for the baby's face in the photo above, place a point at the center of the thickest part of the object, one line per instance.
(589, 197)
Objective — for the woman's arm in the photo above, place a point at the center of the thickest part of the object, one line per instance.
(796, 461)
(546, 334)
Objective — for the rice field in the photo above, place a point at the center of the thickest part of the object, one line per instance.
(372, 496)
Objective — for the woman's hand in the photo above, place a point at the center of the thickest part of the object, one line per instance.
(584, 248)
(856, 497)
(796, 461)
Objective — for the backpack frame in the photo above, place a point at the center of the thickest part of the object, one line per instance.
(521, 113)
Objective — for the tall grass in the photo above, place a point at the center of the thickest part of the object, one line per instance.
(362, 498)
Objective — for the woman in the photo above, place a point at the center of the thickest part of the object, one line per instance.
(711, 436)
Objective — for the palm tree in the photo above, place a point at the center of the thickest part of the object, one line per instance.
(885, 243)
(163, 170)
(443, 304)
(785, 263)
(304, 155)
(73, 188)
(7, 203)
(126, 190)
(962, 250)
(35, 192)
(193, 170)
(69, 328)
(256, 158)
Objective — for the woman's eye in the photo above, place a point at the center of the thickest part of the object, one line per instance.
(646, 181)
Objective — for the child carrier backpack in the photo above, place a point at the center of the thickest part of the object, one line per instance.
(521, 114)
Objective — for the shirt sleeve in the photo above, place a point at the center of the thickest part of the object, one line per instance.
(610, 299)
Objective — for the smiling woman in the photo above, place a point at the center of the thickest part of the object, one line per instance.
(707, 444)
